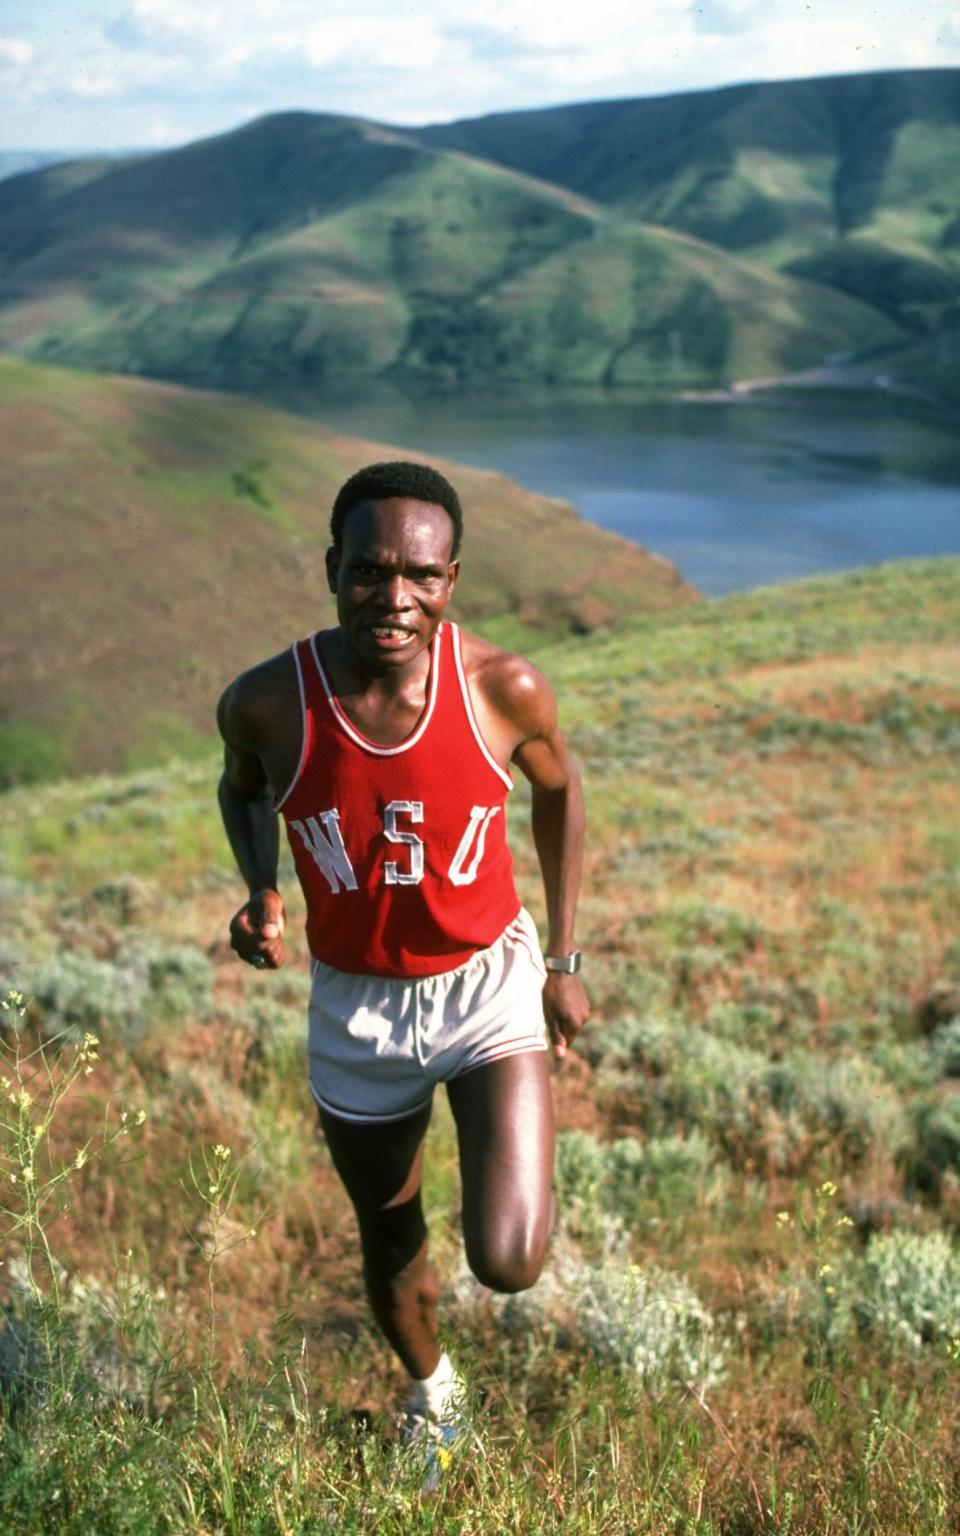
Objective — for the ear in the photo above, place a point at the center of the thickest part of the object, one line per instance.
(453, 571)
(333, 567)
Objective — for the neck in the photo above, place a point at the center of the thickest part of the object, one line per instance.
(356, 673)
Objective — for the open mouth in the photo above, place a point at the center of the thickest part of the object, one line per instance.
(391, 634)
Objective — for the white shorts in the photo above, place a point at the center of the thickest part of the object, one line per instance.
(380, 1044)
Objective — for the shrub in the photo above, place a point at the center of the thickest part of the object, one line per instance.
(599, 1183)
(74, 993)
(102, 1340)
(580, 1172)
(945, 1048)
(908, 1289)
(668, 1170)
(936, 1148)
(843, 1097)
(644, 1323)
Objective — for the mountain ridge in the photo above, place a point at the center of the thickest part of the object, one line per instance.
(305, 248)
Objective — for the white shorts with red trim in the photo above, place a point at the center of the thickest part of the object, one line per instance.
(380, 1044)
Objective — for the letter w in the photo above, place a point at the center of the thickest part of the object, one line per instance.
(325, 844)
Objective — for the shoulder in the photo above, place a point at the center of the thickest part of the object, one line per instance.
(510, 685)
(251, 707)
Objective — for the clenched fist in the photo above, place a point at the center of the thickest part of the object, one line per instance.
(256, 932)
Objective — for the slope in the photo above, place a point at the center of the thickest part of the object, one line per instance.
(759, 1142)
(302, 248)
(158, 541)
(852, 182)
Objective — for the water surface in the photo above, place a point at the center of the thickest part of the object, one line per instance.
(737, 494)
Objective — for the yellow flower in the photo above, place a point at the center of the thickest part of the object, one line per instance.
(828, 1189)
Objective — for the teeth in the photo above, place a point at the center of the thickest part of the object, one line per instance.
(387, 631)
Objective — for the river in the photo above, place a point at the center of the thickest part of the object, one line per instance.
(738, 494)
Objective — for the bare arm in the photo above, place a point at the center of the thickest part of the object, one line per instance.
(246, 805)
(558, 830)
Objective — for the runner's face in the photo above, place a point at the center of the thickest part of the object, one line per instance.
(393, 577)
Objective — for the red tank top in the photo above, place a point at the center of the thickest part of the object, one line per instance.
(401, 850)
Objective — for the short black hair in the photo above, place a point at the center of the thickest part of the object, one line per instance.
(398, 477)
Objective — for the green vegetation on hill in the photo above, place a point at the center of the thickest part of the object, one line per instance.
(670, 243)
(852, 181)
(159, 541)
(750, 1315)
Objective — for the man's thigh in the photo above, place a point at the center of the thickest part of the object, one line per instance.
(504, 1118)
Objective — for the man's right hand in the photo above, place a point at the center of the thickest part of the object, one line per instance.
(256, 932)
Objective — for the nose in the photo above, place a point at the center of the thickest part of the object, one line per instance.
(393, 593)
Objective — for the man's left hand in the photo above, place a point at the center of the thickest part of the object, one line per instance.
(566, 1009)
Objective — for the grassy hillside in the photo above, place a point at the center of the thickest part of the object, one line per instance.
(159, 541)
(851, 182)
(304, 248)
(750, 1318)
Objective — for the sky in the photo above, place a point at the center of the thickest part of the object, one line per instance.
(117, 74)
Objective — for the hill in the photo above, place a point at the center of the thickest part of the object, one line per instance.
(304, 248)
(158, 541)
(852, 182)
(752, 1298)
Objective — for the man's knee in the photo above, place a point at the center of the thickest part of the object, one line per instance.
(507, 1264)
(393, 1241)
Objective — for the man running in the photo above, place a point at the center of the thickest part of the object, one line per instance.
(386, 743)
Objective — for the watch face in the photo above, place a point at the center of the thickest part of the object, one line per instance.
(568, 963)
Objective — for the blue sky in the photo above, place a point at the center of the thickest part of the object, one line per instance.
(124, 73)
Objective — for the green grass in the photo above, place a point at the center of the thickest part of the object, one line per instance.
(749, 1319)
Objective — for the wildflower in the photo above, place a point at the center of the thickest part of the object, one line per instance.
(825, 1269)
(783, 1218)
(211, 1189)
(844, 1221)
(80, 1158)
(827, 1189)
(28, 1175)
(141, 1116)
(221, 1153)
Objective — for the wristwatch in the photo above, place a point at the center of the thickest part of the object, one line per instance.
(569, 962)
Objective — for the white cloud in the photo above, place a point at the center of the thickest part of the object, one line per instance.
(100, 72)
(413, 44)
(13, 50)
